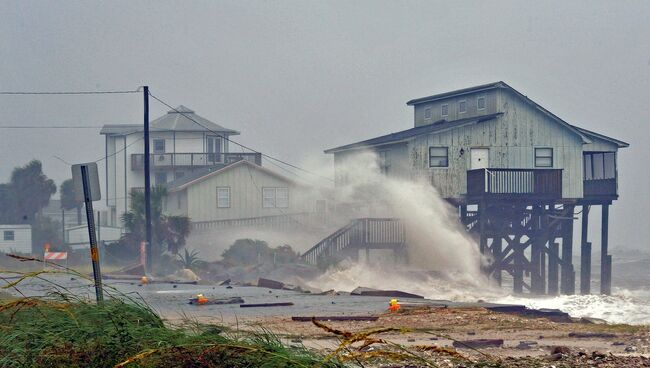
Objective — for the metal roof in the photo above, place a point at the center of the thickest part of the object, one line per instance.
(178, 120)
(400, 136)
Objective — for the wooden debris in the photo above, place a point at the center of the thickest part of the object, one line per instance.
(283, 304)
(478, 343)
(336, 318)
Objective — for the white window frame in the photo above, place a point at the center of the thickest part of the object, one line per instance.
(535, 157)
(282, 197)
(427, 111)
(270, 198)
(442, 111)
(478, 106)
(462, 102)
(226, 203)
(164, 145)
(439, 166)
(5, 234)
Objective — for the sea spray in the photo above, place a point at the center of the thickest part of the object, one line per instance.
(435, 238)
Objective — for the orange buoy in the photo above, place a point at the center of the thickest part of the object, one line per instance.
(393, 306)
(144, 280)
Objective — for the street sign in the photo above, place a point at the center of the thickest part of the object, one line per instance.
(93, 180)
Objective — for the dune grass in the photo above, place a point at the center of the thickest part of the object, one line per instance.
(66, 332)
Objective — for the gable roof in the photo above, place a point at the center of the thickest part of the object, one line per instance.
(589, 133)
(502, 85)
(198, 176)
(177, 120)
(400, 136)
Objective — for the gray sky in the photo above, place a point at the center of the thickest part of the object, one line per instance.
(297, 77)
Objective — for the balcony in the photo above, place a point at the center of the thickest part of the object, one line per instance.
(190, 160)
(512, 184)
(600, 188)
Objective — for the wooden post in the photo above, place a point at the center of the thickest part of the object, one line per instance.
(497, 254)
(483, 216)
(536, 251)
(553, 267)
(567, 284)
(518, 277)
(585, 254)
(605, 261)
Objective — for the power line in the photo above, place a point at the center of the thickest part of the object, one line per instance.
(50, 127)
(239, 144)
(67, 92)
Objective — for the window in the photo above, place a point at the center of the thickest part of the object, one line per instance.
(438, 157)
(600, 165)
(223, 197)
(444, 110)
(275, 197)
(462, 106)
(158, 146)
(9, 235)
(480, 103)
(543, 157)
(384, 162)
(160, 178)
(427, 113)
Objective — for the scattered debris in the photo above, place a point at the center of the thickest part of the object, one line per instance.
(525, 345)
(283, 304)
(593, 321)
(618, 343)
(561, 350)
(630, 349)
(588, 335)
(233, 300)
(364, 291)
(225, 282)
(478, 343)
(271, 284)
(335, 318)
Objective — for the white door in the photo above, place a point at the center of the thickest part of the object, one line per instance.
(479, 158)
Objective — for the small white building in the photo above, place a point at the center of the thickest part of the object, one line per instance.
(242, 190)
(76, 237)
(16, 239)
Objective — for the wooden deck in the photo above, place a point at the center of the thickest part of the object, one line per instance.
(513, 184)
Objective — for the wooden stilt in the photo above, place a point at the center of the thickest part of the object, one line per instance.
(497, 254)
(585, 254)
(605, 260)
(518, 274)
(483, 213)
(567, 285)
(553, 268)
(536, 251)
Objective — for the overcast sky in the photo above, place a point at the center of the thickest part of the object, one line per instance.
(297, 77)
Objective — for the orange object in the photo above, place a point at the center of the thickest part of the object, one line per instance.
(393, 306)
(144, 280)
(200, 299)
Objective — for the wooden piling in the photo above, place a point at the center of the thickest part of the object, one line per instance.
(567, 284)
(585, 253)
(605, 273)
(553, 268)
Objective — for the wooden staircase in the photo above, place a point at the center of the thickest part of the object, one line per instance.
(362, 233)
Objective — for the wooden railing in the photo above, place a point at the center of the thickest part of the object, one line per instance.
(360, 233)
(506, 183)
(600, 188)
(192, 159)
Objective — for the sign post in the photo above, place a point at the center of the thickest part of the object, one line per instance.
(86, 184)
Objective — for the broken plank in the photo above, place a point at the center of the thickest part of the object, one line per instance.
(285, 304)
(336, 318)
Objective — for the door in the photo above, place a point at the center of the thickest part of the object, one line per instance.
(213, 147)
(480, 158)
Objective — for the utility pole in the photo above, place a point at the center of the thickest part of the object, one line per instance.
(147, 182)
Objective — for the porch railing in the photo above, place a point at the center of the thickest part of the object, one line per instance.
(192, 159)
(546, 183)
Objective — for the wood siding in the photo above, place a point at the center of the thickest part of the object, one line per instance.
(245, 185)
(452, 103)
(511, 138)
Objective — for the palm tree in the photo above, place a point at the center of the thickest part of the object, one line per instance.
(169, 231)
